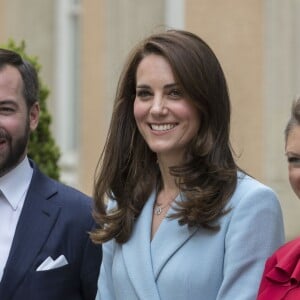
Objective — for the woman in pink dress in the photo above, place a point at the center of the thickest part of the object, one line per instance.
(281, 277)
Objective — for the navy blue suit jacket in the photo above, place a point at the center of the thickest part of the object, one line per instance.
(55, 221)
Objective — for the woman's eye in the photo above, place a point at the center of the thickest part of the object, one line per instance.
(143, 93)
(176, 93)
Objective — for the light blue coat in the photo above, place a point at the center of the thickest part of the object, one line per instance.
(182, 263)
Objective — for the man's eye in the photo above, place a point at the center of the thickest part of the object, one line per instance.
(293, 160)
(6, 109)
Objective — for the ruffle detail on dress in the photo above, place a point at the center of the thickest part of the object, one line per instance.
(287, 269)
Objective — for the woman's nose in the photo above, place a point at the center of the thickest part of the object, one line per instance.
(158, 106)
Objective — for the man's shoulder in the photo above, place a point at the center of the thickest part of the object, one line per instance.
(58, 191)
(74, 203)
(63, 187)
(71, 195)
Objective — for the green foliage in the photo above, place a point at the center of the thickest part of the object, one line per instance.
(42, 147)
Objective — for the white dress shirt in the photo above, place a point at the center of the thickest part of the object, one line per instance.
(13, 189)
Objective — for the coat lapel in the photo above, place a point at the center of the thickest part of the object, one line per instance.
(36, 221)
(137, 255)
(144, 259)
(169, 237)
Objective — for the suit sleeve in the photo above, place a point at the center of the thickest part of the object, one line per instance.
(253, 234)
(90, 269)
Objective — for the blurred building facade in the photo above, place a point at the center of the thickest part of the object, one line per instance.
(82, 44)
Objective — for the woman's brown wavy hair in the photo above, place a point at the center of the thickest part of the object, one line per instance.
(127, 171)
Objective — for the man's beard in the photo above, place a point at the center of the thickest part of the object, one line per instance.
(15, 149)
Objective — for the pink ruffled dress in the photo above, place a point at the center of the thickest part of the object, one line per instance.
(281, 277)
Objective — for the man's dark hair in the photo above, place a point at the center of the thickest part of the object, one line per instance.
(27, 71)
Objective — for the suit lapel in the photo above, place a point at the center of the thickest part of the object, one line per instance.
(137, 256)
(169, 237)
(36, 221)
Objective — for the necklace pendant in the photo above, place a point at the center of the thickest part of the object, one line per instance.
(158, 210)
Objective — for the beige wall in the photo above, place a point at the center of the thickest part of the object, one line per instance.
(94, 101)
(2, 20)
(126, 22)
(33, 22)
(235, 35)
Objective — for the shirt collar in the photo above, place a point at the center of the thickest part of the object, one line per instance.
(15, 183)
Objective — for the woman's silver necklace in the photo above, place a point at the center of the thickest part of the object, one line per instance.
(158, 208)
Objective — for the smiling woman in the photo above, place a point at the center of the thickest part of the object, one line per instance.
(292, 148)
(166, 119)
(281, 278)
(180, 210)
